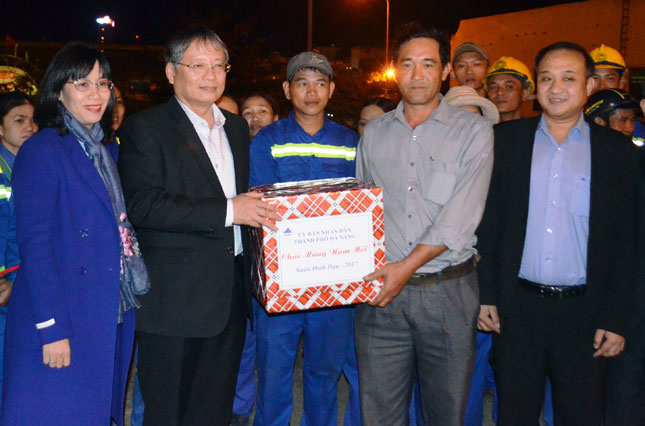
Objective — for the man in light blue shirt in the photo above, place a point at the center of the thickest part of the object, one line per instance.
(557, 249)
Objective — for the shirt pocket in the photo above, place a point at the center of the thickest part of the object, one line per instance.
(290, 169)
(439, 181)
(581, 194)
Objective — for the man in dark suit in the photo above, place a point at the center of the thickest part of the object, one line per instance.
(184, 168)
(557, 247)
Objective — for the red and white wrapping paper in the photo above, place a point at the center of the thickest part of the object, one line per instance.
(332, 233)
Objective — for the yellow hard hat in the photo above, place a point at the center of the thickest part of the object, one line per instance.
(607, 57)
(510, 65)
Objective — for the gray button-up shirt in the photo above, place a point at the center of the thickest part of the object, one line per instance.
(435, 180)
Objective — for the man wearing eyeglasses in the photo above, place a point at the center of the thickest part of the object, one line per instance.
(184, 170)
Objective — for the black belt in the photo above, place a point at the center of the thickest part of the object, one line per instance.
(449, 273)
(553, 291)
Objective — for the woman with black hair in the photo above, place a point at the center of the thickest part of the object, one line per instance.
(70, 322)
(373, 108)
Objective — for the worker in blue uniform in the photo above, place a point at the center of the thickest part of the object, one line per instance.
(304, 146)
(8, 254)
(16, 125)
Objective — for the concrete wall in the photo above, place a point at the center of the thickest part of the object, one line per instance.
(635, 55)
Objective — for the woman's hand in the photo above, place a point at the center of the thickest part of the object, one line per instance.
(57, 354)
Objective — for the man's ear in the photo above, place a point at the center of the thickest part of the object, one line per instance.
(600, 121)
(447, 70)
(285, 88)
(624, 81)
(332, 86)
(592, 83)
(170, 72)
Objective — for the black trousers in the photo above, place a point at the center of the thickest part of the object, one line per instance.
(191, 381)
(625, 390)
(543, 337)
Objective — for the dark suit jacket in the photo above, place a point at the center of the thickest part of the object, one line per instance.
(178, 207)
(610, 255)
(638, 308)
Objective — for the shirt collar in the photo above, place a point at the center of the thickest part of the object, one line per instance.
(6, 153)
(441, 113)
(218, 116)
(580, 131)
(292, 118)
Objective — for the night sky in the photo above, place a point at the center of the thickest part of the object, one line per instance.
(280, 23)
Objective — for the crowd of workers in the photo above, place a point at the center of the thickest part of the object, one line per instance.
(513, 244)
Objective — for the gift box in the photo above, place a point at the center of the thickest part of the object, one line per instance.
(332, 234)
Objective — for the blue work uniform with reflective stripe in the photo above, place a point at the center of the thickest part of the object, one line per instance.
(8, 246)
(284, 152)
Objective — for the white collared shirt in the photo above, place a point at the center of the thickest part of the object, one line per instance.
(219, 153)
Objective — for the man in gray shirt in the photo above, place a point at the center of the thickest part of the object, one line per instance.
(434, 164)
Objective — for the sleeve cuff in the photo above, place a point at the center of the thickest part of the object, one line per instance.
(229, 212)
(53, 330)
(434, 237)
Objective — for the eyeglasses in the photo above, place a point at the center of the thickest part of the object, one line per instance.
(85, 85)
(201, 68)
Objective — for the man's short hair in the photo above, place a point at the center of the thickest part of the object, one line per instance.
(566, 45)
(181, 40)
(414, 30)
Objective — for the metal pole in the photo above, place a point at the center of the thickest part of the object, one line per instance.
(310, 15)
(387, 33)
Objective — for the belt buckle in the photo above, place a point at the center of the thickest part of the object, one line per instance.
(556, 292)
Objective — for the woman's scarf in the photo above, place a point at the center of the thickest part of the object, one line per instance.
(134, 276)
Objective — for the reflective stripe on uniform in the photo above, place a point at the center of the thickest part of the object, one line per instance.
(5, 192)
(313, 149)
(5, 169)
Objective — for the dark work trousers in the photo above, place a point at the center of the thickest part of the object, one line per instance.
(625, 389)
(191, 381)
(543, 337)
(429, 330)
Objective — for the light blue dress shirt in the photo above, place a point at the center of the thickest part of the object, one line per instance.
(557, 229)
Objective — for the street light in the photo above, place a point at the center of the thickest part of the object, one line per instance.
(105, 20)
(310, 15)
(387, 31)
